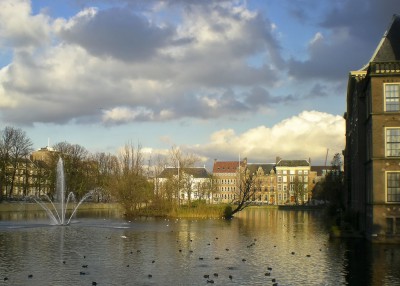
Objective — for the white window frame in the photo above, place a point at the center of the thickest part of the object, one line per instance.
(385, 85)
(386, 187)
(386, 142)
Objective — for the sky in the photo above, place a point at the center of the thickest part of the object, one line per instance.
(218, 79)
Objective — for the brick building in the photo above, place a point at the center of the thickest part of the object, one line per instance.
(372, 154)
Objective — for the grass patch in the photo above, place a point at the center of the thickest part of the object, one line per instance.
(199, 211)
(194, 210)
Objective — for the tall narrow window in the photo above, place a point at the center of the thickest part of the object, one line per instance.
(393, 142)
(393, 187)
(389, 225)
(392, 96)
(397, 225)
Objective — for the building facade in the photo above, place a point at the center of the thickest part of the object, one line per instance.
(293, 183)
(226, 176)
(265, 177)
(283, 182)
(190, 184)
(372, 154)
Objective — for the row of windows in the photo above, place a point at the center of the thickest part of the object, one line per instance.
(392, 142)
(291, 187)
(292, 172)
(284, 179)
(227, 189)
(226, 181)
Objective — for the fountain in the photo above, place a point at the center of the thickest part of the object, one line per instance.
(59, 208)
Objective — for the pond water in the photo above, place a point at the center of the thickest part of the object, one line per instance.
(260, 246)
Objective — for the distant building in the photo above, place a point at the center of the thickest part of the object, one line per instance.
(43, 154)
(191, 183)
(226, 177)
(293, 183)
(372, 154)
(28, 178)
(283, 182)
(265, 175)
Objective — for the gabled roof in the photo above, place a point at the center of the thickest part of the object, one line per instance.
(293, 163)
(253, 167)
(388, 49)
(196, 172)
(226, 166)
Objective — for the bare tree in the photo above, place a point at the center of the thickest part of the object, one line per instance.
(248, 186)
(130, 186)
(298, 190)
(76, 167)
(15, 146)
(182, 161)
(105, 168)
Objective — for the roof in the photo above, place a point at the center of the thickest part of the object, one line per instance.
(293, 163)
(253, 167)
(196, 172)
(388, 49)
(226, 166)
(320, 169)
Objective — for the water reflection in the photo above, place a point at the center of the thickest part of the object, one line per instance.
(295, 244)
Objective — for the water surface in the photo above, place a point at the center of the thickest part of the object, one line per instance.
(291, 247)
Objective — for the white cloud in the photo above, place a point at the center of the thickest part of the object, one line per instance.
(105, 59)
(306, 135)
(125, 114)
(317, 38)
(18, 28)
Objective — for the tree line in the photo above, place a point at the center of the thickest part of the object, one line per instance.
(123, 177)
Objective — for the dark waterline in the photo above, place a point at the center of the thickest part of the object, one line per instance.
(101, 247)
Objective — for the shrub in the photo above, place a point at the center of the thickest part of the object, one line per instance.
(228, 211)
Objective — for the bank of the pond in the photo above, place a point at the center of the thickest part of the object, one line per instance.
(184, 211)
(24, 206)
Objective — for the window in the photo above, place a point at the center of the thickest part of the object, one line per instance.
(392, 93)
(393, 187)
(393, 142)
(389, 225)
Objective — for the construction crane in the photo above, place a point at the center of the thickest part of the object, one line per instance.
(326, 157)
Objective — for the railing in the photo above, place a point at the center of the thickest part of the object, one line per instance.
(384, 67)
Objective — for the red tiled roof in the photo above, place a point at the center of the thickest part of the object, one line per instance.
(226, 167)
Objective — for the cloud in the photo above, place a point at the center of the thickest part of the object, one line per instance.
(115, 66)
(19, 29)
(117, 33)
(347, 41)
(306, 135)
